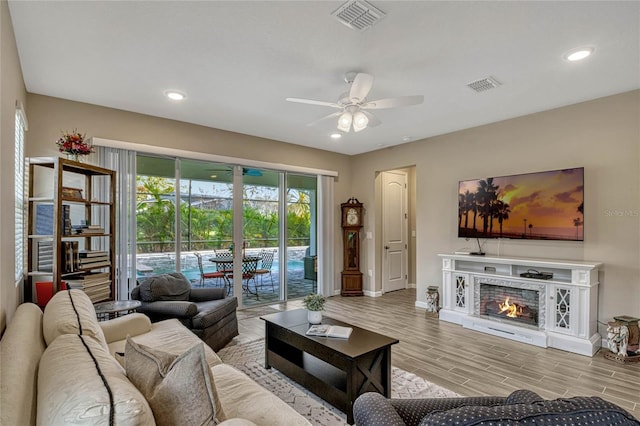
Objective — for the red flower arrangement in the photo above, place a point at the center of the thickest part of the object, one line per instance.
(74, 143)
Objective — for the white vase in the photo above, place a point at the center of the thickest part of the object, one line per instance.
(314, 317)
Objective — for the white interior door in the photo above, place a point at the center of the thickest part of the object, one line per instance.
(394, 231)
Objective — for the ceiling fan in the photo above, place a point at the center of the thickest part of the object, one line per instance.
(353, 105)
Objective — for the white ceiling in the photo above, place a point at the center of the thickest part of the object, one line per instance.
(237, 61)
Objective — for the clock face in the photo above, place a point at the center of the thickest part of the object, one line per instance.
(352, 217)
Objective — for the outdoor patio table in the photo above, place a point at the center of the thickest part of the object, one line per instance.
(225, 265)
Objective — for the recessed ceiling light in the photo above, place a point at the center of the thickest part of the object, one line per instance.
(578, 54)
(174, 95)
(335, 135)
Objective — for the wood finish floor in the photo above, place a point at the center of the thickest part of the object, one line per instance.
(469, 362)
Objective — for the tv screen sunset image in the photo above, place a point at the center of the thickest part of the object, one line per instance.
(543, 206)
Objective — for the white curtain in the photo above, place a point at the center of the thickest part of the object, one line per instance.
(124, 163)
(326, 213)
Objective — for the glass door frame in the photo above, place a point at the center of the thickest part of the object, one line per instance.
(282, 241)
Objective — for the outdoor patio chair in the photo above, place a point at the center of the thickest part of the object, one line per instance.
(219, 276)
(265, 266)
(249, 266)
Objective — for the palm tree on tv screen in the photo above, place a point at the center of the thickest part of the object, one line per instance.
(470, 206)
(486, 195)
(502, 212)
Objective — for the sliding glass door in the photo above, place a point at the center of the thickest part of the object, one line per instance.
(301, 255)
(206, 217)
(261, 236)
(185, 222)
(155, 216)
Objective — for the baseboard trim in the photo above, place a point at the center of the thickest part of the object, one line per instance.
(422, 305)
(372, 293)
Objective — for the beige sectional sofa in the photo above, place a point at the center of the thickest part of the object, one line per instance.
(64, 367)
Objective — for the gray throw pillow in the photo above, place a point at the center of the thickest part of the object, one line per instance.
(165, 287)
(179, 388)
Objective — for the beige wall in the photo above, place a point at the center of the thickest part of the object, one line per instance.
(602, 135)
(11, 89)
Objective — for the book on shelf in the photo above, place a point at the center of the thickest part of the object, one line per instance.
(88, 260)
(89, 287)
(93, 265)
(93, 253)
(326, 330)
(66, 220)
(96, 285)
(91, 229)
(71, 192)
(87, 277)
(98, 296)
(69, 256)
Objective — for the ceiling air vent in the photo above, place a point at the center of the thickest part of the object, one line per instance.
(484, 84)
(358, 15)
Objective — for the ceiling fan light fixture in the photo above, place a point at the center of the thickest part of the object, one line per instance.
(360, 121)
(344, 122)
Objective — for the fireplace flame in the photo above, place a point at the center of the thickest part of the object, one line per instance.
(512, 310)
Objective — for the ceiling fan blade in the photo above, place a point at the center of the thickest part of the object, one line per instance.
(394, 102)
(326, 117)
(373, 120)
(360, 87)
(314, 102)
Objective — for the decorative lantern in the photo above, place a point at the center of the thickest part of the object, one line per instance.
(433, 301)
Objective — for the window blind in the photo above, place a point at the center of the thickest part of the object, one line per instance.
(19, 212)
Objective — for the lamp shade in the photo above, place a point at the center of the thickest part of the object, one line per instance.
(344, 122)
(360, 121)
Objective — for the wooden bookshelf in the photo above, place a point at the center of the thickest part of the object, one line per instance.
(71, 210)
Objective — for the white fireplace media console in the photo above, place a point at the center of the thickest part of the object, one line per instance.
(567, 304)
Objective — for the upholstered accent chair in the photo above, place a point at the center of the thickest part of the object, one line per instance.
(207, 312)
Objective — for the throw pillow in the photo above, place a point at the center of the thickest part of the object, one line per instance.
(171, 287)
(179, 388)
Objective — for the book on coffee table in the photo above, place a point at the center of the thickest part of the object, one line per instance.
(325, 330)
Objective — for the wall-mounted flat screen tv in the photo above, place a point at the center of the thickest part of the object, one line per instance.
(538, 206)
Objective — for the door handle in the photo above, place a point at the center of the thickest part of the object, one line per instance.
(387, 247)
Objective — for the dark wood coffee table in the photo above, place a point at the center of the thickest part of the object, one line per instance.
(337, 370)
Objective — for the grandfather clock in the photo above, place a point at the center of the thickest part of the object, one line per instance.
(351, 226)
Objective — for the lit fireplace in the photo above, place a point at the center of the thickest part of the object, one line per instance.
(512, 310)
(508, 303)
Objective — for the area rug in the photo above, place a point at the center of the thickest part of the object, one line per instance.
(256, 312)
(249, 358)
